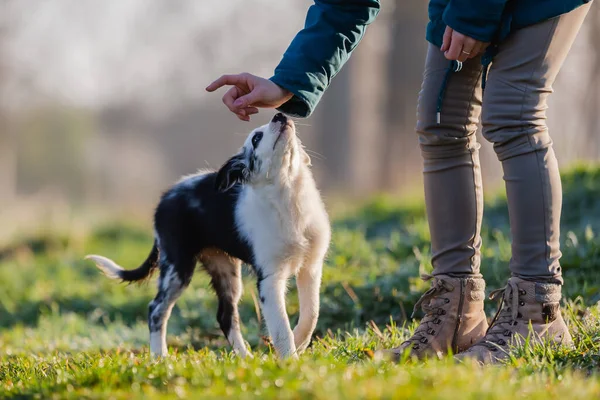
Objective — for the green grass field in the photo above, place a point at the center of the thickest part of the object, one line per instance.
(68, 332)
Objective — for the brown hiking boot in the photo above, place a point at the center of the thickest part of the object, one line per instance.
(454, 318)
(523, 303)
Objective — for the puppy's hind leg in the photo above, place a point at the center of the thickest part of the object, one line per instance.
(271, 289)
(308, 282)
(226, 277)
(174, 278)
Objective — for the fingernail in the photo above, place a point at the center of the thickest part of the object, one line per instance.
(238, 103)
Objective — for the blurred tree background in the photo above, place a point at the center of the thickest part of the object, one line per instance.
(102, 104)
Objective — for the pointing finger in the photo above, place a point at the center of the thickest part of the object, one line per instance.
(225, 80)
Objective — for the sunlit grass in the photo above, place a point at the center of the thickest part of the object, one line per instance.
(66, 331)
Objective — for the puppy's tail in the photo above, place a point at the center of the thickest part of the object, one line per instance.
(114, 271)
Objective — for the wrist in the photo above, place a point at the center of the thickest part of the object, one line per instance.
(285, 94)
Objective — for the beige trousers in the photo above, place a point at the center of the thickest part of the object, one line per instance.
(513, 116)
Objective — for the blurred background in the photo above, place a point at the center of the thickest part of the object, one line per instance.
(102, 103)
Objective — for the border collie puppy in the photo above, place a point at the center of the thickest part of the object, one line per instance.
(261, 208)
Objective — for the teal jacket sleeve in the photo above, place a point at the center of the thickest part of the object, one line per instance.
(479, 19)
(332, 30)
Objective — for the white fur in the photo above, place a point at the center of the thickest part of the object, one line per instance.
(158, 344)
(173, 288)
(308, 281)
(106, 265)
(282, 216)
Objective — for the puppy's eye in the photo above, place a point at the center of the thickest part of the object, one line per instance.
(256, 139)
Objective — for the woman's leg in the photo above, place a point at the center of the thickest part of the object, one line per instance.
(451, 168)
(514, 119)
(454, 317)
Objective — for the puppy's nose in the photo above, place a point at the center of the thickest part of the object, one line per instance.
(280, 117)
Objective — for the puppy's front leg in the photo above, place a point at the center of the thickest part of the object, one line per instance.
(271, 290)
(308, 282)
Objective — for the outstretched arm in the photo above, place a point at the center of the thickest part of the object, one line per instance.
(332, 31)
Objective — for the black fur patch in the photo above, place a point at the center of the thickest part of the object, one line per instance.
(225, 315)
(194, 216)
(259, 278)
(235, 171)
(153, 317)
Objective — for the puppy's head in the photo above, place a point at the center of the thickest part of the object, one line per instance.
(271, 153)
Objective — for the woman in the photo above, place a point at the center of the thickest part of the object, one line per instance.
(494, 59)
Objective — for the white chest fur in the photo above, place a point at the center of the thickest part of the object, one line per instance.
(273, 225)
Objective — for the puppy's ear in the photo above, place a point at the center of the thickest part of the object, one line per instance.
(233, 171)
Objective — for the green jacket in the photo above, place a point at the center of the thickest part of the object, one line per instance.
(334, 28)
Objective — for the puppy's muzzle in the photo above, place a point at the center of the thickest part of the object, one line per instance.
(285, 123)
(283, 120)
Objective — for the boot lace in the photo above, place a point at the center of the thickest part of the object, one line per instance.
(432, 304)
(502, 326)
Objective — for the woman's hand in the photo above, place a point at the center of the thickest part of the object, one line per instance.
(459, 47)
(249, 92)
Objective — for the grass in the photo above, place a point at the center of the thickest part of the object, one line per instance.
(67, 332)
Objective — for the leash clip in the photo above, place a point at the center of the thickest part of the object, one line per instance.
(458, 66)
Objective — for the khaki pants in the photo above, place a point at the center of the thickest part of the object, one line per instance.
(513, 116)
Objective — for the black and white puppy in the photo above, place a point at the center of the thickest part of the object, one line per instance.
(261, 208)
